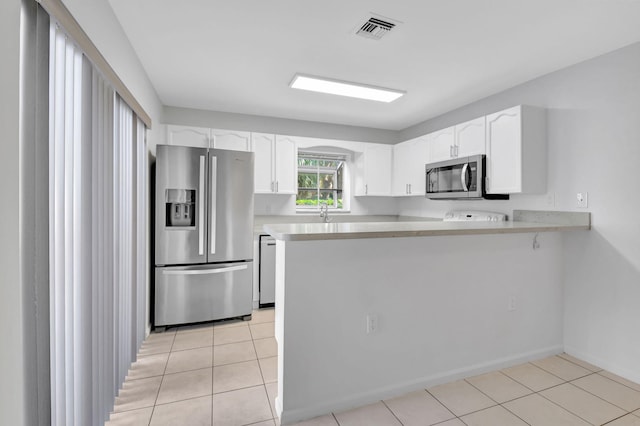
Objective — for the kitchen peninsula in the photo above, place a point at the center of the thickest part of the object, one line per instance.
(368, 311)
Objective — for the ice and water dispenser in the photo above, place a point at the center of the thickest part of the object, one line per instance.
(181, 208)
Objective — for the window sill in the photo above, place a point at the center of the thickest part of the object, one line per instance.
(317, 211)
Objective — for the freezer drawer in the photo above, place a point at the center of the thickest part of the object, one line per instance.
(202, 293)
(267, 271)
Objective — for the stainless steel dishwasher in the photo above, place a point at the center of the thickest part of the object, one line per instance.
(267, 284)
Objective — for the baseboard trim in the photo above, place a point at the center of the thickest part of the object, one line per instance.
(614, 368)
(386, 392)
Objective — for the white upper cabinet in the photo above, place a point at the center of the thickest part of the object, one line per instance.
(470, 138)
(286, 160)
(373, 174)
(441, 144)
(262, 146)
(516, 151)
(188, 136)
(203, 137)
(409, 159)
(275, 163)
(461, 140)
(231, 139)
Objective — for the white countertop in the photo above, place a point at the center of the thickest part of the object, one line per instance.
(336, 231)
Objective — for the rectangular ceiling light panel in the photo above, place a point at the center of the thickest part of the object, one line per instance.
(343, 88)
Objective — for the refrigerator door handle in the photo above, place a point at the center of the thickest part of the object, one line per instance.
(201, 207)
(213, 193)
(203, 271)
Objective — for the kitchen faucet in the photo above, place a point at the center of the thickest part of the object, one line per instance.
(324, 212)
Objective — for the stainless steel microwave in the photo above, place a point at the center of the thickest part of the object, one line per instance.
(459, 178)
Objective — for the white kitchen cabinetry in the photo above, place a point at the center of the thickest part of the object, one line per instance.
(409, 159)
(230, 139)
(188, 136)
(286, 160)
(461, 140)
(203, 137)
(373, 171)
(441, 144)
(516, 151)
(275, 163)
(470, 138)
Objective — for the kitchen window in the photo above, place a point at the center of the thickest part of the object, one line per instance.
(320, 181)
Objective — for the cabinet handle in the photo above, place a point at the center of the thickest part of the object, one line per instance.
(456, 150)
(277, 187)
(409, 189)
(366, 189)
(273, 186)
(451, 151)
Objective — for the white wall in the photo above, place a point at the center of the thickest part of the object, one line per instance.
(280, 126)
(12, 389)
(594, 146)
(442, 308)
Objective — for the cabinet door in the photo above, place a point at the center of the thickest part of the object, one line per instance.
(401, 159)
(263, 147)
(188, 136)
(229, 139)
(418, 158)
(504, 160)
(470, 138)
(409, 159)
(286, 159)
(377, 169)
(441, 144)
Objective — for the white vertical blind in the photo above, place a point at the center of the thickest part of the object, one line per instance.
(141, 231)
(97, 241)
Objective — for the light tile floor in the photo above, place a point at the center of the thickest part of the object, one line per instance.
(225, 374)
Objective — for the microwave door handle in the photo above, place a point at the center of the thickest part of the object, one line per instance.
(463, 177)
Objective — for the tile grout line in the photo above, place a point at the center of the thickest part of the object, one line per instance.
(599, 397)
(264, 385)
(564, 408)
(391, 411)
(515, 414)
(617, 418)
(213, 362)
(562, 378)
(575, 363)
(153, 410)
(615, 381)
(499, 404)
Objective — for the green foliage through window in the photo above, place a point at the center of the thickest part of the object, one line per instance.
(319, 181)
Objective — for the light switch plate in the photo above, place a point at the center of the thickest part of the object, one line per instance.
(583, 200)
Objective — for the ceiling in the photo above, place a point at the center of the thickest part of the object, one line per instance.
(240, 56)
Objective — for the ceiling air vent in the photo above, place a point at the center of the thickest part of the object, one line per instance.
(375, 27)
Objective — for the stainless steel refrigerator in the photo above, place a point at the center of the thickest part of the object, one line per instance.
(203, 235)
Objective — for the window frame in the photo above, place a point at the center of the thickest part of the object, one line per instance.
(320, 170)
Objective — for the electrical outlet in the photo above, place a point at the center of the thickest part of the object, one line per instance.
(511, 305)
(551, 199)
(583, 200)
(372, 323)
